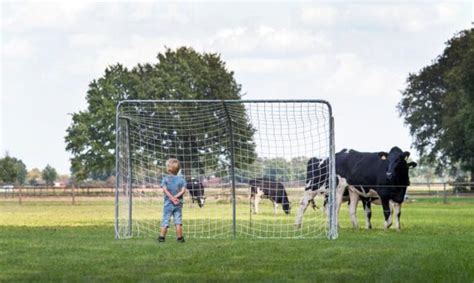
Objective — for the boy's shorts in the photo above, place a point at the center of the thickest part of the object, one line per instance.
(171, 209)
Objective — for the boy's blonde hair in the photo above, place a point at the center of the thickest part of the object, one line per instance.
(173, 166)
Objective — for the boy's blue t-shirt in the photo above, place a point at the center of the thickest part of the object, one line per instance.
(173, 184)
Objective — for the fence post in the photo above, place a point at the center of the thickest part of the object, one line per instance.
(73, 194)
(19, 194)
(445, 193)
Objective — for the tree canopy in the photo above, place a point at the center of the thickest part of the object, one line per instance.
(12, 170)
(179, 74)
(49, 175)
(438, 105)
(33, 176)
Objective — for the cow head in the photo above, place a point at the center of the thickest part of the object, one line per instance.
(286, 205)
(196, 189)
(397, 167)
(201, 200)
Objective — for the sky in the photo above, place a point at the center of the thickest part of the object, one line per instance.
(356, 55)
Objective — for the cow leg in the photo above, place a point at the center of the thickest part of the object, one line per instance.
(304, 203)
(341, 187)
(387, 213)
(256, 201)
(275, 207)
(353, 199)
(368, 214)
(252, 203)
(398, 213)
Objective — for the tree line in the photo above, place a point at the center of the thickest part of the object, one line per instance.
(13, 171)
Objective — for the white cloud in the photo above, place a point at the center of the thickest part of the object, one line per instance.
(421, 17)
(175, 14)
(405, 16)
(334, 74)
(268, 41)
(17, 48)
(449, 12)
(354, 77)
(141, 49)
(277, 50)
(319, 15)
(142, 12)
(229, 33)
(25, 16)
(100, 53)
(86, 40)
(314, 64)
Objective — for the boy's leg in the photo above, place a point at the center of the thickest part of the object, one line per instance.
(164, 222)
(163, 231)
(177, 219)
(179, 230)
(179, 233)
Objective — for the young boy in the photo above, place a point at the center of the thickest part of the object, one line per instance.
(174, 188)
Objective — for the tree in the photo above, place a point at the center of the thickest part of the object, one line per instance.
(49, 175)
(438, 105)
(179, 74)
(21, 167)
(299, 167)
(425, 172)
(277, 169)
(64, 178)
(12, 170)
(33, 176)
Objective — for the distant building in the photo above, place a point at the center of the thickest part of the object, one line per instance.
(61, 184)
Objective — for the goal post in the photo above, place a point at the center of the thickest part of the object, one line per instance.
(244, 161)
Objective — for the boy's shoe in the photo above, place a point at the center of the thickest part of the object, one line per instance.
(161, 239)
(180, 240)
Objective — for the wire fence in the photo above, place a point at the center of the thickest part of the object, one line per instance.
(67, 194)
(444, 191)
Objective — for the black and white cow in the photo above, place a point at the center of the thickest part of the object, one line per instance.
(383, 177)
(370, 177)
(317, 183)
(266, 188)
(196, 189)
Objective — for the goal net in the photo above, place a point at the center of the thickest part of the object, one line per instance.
(244, 162)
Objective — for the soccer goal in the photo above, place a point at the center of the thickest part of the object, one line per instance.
(244, 162)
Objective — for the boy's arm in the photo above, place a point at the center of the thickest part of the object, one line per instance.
(182, 192)
(165, 190)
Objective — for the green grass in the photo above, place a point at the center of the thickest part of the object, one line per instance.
(54, 241)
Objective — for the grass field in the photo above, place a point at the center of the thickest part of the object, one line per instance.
(54, 241)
